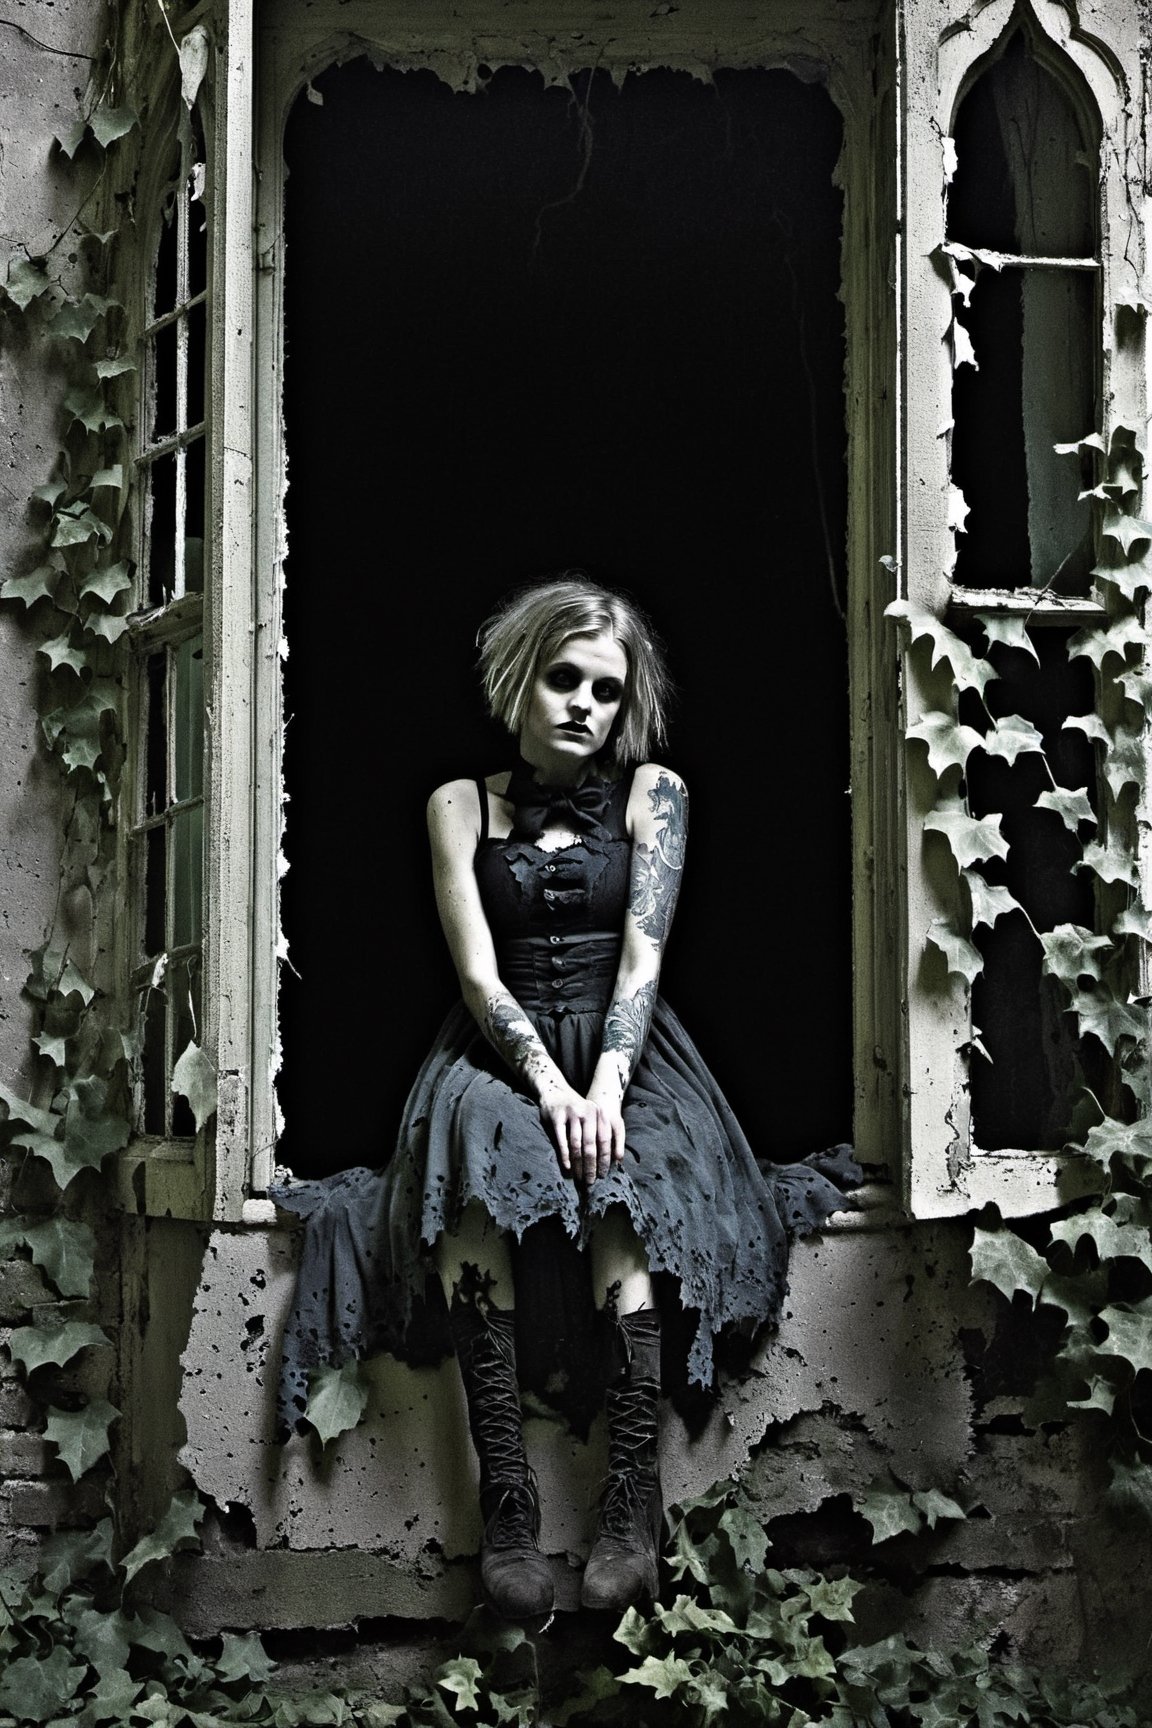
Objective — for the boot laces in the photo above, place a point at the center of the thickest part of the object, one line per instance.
(514, 1519)
(625, 1512)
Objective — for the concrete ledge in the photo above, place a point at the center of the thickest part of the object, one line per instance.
(280, 1590)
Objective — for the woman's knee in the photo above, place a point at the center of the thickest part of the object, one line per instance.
(476, 1251)
(620, 1272)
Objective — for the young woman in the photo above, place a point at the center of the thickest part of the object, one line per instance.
(562, 1087)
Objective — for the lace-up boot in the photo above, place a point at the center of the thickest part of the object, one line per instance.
(622, 1567)
(515, 1576)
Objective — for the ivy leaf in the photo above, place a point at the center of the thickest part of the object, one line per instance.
(194, 1078)
(113, 1696)
(73, 1554)
(1091, 441)
(66, 1249)
(108, 124)
(1131, 1142)
(459, 1677)
(337, 1398)
(53, 1343)
(71, 137)
(26, 281)
(176, 1528)
(1013, 736)
(1113, 1238)
(1072, 807)
(110, 626)
(1137, 685)
(109, 581)
(1004, 1260)
(111, 478)
(1131, 579)
(36, 1688)
(663, 1674)
(1124, 761)
(746, 1534)
(1106, 1018)
(888, 1511)
(1008, 632)
(989, 900)
(76, 528)
(39, 584)
(244, 1658)
(1134, 921)
(1129, 1334)
(1114, 638)
(686, 1615)
(832, 1598)
(76, 319)
(87, 405)
(962, 956)
(968, 670)
(60, 652)
(90, 1137)
(949, 743)
(972, 838)
(1070, 952)
(81, 1436)
(1127, 531)
(1112, 863)
(935, 1505)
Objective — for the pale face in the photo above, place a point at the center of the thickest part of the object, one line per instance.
(575, 698)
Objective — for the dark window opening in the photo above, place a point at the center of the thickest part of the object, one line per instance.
(529, 329)
(1026, 1095)
(1025, 188)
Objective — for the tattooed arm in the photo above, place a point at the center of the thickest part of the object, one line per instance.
(577, 1125)
(658, 823)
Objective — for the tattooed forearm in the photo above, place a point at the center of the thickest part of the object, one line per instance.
(510, 1031)
(656, 870)
(626, 1028)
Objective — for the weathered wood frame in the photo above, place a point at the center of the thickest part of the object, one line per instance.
(940, 45)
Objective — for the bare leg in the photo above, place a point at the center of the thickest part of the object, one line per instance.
(619, 1263)
(477, 1243)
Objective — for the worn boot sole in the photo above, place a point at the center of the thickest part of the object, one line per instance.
(617, 1577)
(517, 1585)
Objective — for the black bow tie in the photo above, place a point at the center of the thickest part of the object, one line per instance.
(580, 808)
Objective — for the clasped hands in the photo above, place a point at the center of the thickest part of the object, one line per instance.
(587, 1132)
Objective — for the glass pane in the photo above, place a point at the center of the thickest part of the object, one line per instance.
(194, 518)
(1025, 526)
(162, 529)
(188, 720)
(184, 997)
(197, 360)
(164, 296)
(156, 722)
(1026, 177)
(154, 1062)
(155, 891)
(187, 831)
(164, 407)
(197, 234)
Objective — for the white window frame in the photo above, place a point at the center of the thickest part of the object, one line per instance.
(895, 81)
(940, 44)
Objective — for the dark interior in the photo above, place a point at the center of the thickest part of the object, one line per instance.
(528, 329)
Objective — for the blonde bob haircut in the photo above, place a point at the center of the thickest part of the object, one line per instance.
(527, 631)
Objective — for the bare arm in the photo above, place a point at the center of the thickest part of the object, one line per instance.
(573, 1122)
(658, 821)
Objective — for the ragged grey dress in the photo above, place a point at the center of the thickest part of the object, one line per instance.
(712, 1219)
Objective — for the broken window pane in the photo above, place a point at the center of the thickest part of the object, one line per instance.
(1025, 525)
(1026, 173)
(1024, 189)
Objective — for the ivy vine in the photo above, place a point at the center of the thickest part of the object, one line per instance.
(739, 1638)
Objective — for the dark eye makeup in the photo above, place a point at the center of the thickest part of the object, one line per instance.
(564, 676)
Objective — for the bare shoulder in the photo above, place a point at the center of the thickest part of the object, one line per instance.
(454, 811)
(659, 798)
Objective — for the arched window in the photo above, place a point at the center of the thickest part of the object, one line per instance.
(1023, 210)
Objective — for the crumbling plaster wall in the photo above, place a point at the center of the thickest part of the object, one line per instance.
(879, 1369)
(46, 48)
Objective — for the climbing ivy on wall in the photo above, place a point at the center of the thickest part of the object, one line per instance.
(1089, 1264)
(739, 1637)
